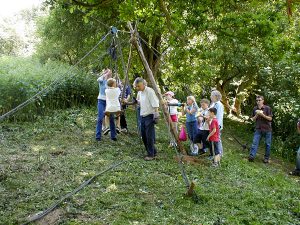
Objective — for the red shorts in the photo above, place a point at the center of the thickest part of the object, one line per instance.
(174, 118)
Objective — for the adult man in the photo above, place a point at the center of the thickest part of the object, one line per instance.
(262, 115)
(149, 105)
(102, 80)
(216, 97)
(296, 172)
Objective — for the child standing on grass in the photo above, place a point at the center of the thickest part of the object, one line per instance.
(214, 136)
(173, 111)
(190, 110)
(113, 106)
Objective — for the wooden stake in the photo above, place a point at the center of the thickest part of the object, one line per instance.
(136, 43)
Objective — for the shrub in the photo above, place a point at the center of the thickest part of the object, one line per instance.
(21, 78)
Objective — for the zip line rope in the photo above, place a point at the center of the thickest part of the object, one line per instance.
(53, 83)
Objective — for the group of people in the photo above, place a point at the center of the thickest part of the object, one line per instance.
(204, 125)
(110, 107)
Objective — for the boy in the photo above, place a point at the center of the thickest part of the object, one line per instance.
(113, 106)
(203, 129)
(214, 136)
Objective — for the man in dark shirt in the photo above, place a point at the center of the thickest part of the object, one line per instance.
(262, 115)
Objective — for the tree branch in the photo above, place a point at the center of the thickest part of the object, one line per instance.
(164, 9)
(101, 3)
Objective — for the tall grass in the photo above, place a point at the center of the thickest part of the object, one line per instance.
(21, 78)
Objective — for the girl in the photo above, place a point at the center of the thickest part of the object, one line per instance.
(190, 110)
(173, 111)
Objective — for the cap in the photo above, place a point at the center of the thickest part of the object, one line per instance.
(170, 93)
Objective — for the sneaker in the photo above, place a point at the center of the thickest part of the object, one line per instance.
(124, 130)
(196, 149)
(98, 139)
(118, 130)
(192, 148)
(106, 131)
(215, 164)
(114, 139)
(266, 161)
(149, 158)
(251, 159)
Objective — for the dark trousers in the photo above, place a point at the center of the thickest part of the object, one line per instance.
(123, 122)
(216, 148)
(148, 134)
(201, 137)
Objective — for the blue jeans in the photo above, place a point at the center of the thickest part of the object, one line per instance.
(101, 109)
(192, 130)
(148, 134)
(298, 160)
(216, 148)
(256, 139)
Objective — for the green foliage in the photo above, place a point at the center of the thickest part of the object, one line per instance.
(21, 78)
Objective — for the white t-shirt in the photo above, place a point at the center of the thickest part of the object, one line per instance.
(148, 101)
(112, 99)
(173, 109)
(204, 124)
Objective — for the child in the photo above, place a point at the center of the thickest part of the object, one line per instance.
(203, 129)
(191, 110)
(214, 136)
(113, 106)
(173, 111)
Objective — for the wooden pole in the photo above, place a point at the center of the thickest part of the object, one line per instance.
(163, 104)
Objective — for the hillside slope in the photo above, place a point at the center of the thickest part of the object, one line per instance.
(44, 160)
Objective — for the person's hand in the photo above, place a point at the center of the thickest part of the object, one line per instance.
(259, 112)
(207, 139)
(156, 117)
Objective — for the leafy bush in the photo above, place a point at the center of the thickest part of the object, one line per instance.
(21, 78)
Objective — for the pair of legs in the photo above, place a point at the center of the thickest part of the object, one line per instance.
(201, 137)
(101, 108)
(214, 148)
(256, 139)
(148, 134)
(192, 129)
(174, 121)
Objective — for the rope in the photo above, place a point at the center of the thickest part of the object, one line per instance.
(62, 199)
(54, 83)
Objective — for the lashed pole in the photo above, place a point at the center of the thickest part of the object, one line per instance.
(136, 43)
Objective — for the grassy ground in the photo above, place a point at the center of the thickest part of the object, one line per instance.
(44, 160)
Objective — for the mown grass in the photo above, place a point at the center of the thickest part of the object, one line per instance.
(44, 160)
